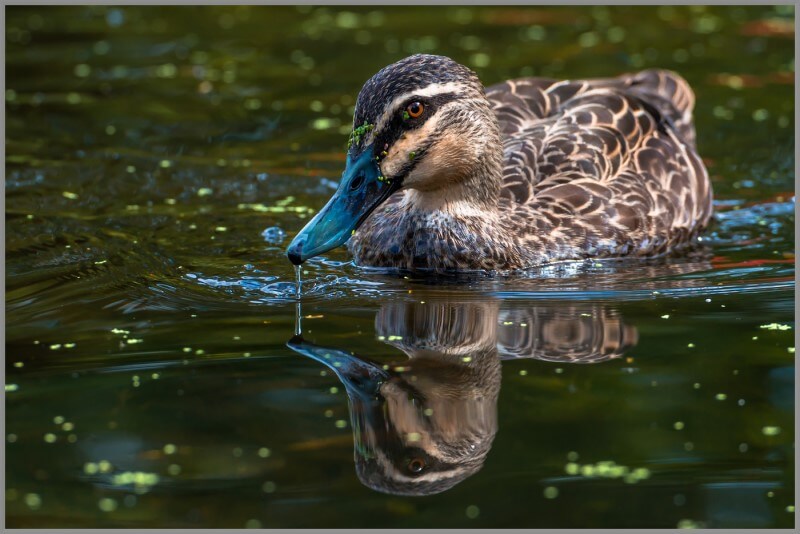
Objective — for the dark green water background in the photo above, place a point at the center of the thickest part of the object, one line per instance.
(148, 381)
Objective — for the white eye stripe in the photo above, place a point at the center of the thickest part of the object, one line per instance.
(428, 91)
(390, 470)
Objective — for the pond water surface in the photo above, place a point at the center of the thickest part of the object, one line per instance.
(159, 160)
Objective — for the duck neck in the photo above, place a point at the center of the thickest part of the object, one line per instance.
(451, 220)
(473, 188)
(457, 202)
(459, 225)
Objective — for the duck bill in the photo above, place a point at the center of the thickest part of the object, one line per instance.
(361, 190)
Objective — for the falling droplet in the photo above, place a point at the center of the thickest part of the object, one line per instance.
(298, 282)
(298, 317)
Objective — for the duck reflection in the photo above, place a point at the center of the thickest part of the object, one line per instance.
(424, 425)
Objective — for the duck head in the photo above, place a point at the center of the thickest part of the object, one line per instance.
(422, 123)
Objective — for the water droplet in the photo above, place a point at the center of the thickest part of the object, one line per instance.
(273, 235)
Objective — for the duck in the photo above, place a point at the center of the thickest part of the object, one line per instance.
(443, 174)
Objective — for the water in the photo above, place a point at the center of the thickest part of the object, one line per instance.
(163, 370)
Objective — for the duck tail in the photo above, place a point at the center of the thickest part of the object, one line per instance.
(670, 93)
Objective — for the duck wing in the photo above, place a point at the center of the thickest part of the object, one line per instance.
(665, 94)
(613, 152)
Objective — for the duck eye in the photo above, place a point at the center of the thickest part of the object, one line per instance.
(415, 109)
(416, 465)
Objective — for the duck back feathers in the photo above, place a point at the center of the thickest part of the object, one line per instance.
(607, 158)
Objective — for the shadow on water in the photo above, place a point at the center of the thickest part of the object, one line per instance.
(423, 425)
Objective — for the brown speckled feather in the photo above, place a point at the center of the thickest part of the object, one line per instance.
(615, 156)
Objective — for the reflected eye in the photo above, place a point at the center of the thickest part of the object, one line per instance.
(416, 465)
(415, 109)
